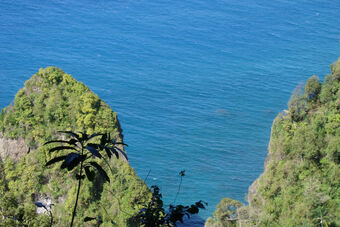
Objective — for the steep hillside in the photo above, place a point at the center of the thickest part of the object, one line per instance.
(300, 185)
(50, 101)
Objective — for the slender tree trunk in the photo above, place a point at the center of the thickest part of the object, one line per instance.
(179, 188)
(51, 217)
(79, 184)
(238, 217)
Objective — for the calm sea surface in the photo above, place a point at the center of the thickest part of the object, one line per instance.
(196, 84)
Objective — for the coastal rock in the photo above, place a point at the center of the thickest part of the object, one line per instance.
(52, 101)
(12, 148)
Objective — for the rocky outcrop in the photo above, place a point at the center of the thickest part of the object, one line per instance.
(46, 201)
(12, 148)
(52, 101)
(119, 134)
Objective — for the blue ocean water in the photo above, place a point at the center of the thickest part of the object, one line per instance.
(196, 84)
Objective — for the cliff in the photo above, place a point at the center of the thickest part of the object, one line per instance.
(12, 148)
(300, 185)
(53, 100)
(49, 102)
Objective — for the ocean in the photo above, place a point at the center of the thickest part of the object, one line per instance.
(196, 84)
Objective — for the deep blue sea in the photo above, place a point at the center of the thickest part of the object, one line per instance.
(196, 84)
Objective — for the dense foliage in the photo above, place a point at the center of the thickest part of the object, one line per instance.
(300, 185)
(50, 101)
(53, 100)
(153, 213)
(81, 158)
(226, 214)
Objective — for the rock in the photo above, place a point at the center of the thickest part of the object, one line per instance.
(13, 149)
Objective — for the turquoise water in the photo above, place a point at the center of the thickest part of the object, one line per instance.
(196, 84)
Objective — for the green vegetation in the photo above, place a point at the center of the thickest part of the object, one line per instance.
(82, 159)
(153, 213)
(51, 101)
(89, 187)
(300, 185)
(226, 214)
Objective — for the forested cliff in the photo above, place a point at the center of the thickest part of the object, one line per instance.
(300, 185)
(51, 101)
